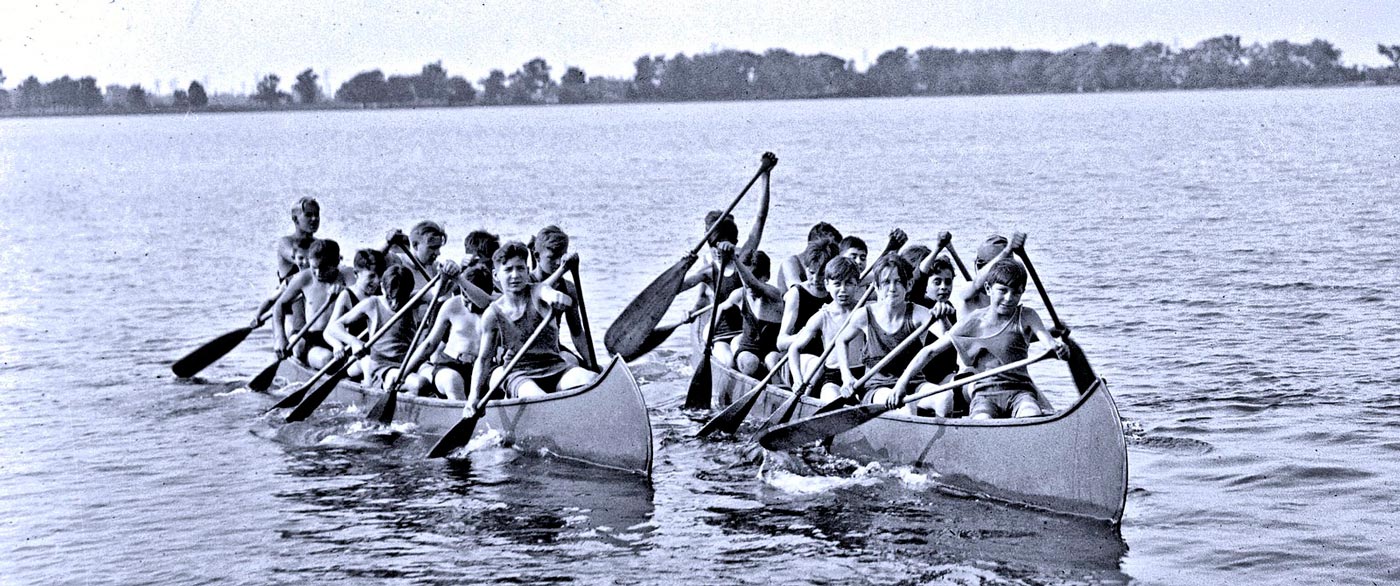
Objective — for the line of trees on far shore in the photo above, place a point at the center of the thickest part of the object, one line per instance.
(1219, 62)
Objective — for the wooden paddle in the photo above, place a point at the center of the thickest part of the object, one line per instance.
(342, 366)
(699, 394)
(583, 316)
(1044, 297)
(962, 268)
(785, 411)
(263, 380)
(1080, 369)
(383, 410)
(215, 349)
(828, 425)
(631, 328)
(659, 334)
(462, 432)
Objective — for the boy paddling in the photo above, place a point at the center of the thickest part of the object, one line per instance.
(318, 286)
(508, 323)
(993, 336)
(843, 283)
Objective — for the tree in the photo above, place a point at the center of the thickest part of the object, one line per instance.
(460, 91)
(267, 91)
(572, 87)
(89, 96)
(367, 87)
(136, 97)
(530, 84)
(306, 87)
(400, 89)
(198, 98)
(31, 93)
(893, 73)
(432, 83)
(180, 99)
(493, 88)
(1391, 52)
(646, 83)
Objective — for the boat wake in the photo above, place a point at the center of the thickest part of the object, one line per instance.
(814, 472)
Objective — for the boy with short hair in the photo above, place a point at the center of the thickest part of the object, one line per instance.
(306, 219)
(843, 283)
(317, 287)
(883, 325)
(368, 270)
(805, 298)
(425, 241)
(854, 248)
(509, 322)
(381, 366)
(791, 272)
(550, 250)
(450, 347)
(761, 311)
(729, 324)
(989, 337)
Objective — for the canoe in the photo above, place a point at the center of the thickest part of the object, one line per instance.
(1074, 461)
(604, 423)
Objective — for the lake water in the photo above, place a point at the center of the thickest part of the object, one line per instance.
(1226, 258)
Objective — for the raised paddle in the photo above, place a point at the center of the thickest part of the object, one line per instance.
(1044, 297)
(699, 394)
(962, 268)
(660, 334)
(462, 432)
(583, 315)
(383, 409)
(341, 368)
(828, 425)
(1083, 374)
(263, 380)
(635, 323)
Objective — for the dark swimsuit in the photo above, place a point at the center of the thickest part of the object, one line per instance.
(807, 306)
(541, 361)
(760, 337)
(389, 351)
(878, 343)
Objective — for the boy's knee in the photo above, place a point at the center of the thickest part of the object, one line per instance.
(575, 377)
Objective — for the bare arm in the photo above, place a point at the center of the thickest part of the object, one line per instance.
(789, 323)
(790, 273)
(481, 371)
(797, 341)
(1031, 320)
(279, 311)
(336, 331)
(921, 359)
(436, 334)
(756, 233)
(732, 301)
(761, 289)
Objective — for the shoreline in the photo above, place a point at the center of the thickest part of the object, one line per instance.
(331, 105)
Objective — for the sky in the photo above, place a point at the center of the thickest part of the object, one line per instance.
(229, 44)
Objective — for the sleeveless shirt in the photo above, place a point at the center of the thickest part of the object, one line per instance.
(807, 306)
(879, 343)
(984, 353)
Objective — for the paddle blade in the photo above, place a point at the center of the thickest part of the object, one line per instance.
(784, 412)
(631, 328)
(698, 397)
(655, 338)
(317, 396)
(383, 410)
(458, 436)
(820, 427)
(729, 420)
(210, 352)
(263, 381)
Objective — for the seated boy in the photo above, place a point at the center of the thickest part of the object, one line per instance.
(317, 287)
(369, 269)
(791, 271)
(854, 248)
(729, 324)
(454, 337)
(803, 300)
(989, 337)
(381, 366)
(883, 325)
(843, 283)
(509, 322)
(550, 250)
(761, 310)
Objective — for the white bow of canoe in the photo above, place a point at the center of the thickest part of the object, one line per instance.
(604, 423)
(1074, 461)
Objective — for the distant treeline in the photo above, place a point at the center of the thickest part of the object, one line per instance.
(1220, 62)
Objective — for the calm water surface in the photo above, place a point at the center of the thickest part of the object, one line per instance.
(1227, 260)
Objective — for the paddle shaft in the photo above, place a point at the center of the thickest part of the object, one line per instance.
(957, 260)
(364, 350)
(514, 360)
(1024, 362)
(417, 264)
(583, 317)
(762, 170)
(1044, 297)
(420, 334)
(698, 397)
